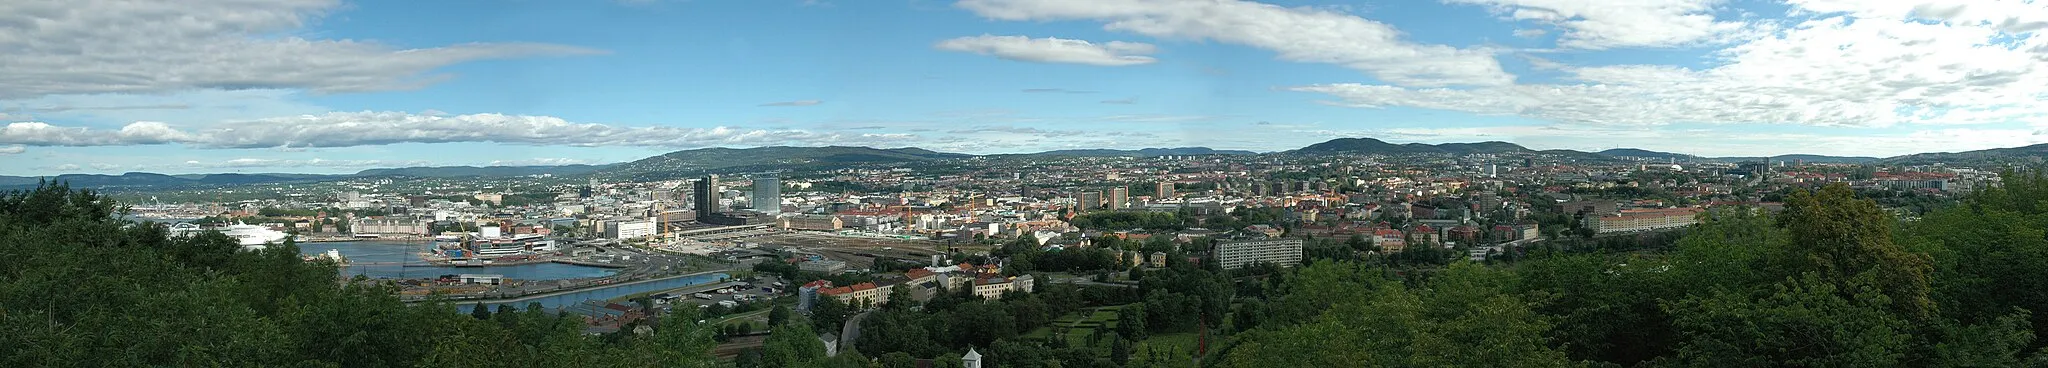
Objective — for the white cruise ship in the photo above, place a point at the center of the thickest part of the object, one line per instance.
(251, 237)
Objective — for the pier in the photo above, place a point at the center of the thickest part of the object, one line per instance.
(597, 291)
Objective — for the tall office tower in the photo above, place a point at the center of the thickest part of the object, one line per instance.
(1165, 190)
(707, 197)
(1089, 200)
(1119, 198)
(768, 195)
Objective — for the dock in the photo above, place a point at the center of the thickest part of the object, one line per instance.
(588, 263)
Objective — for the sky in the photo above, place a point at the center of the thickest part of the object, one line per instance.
(334, 86)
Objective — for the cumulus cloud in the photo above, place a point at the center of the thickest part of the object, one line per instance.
(345, 129)
(2009, 16)
(1296, 34)
(117, 46)
(793, 103)
(1053, 50)
(14, 149)
(1613, 24)
(1836, 69)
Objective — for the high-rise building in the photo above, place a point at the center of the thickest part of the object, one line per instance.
(707, 192)
(1165, 190)
(1088, 200)
(1119, 198)
(767, 195)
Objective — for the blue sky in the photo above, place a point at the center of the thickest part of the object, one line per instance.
(338, 86)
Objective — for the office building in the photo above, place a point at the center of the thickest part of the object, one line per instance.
(707, 192)
(1281, 252)
(767, 195)
(1119, 198)
(1165, 190)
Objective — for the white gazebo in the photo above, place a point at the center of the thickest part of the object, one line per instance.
(972, 359)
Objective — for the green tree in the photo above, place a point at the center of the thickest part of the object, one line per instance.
(898, 360)
(1805, 322)
(778, 316)
(827, 314)
(792, 346)
(1848, 242)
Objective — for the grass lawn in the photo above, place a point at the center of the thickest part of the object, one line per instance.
(1079, 324)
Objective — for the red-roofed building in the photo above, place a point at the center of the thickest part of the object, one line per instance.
(1390, 240)
(874, 295)
(1423, 234)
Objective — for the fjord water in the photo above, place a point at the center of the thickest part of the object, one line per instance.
(400, 260)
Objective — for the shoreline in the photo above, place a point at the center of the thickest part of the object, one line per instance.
(556, 293)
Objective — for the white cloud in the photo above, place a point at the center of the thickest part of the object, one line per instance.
(793, 103)
(1297, 34)
(1613, 24)
(1530, 33)
(346, 129)
(14, 149)
(1053, 50)
(2010, 16)
(1831, 71)
(116, 46)
(66, 167)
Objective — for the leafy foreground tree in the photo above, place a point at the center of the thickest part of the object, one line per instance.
(1832, 281)
(80, 287)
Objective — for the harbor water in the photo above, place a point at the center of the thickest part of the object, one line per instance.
(552, 302)
(400, 260)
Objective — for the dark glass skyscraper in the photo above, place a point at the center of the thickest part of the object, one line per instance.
(706, 193)
(767, 195)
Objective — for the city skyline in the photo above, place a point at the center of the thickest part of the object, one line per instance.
(325, 86)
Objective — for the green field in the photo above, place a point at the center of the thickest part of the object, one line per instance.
(1079, 325)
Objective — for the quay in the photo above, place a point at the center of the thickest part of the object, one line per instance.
(460, 301)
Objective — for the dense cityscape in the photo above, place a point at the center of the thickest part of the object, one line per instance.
(1024, 183)
(846, 244)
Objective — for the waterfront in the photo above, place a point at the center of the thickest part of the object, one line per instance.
(400, 260)
(567, 298)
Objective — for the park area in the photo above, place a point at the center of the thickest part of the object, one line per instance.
(1096, 328)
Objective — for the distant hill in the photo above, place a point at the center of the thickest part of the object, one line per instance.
(1640, 153)
(1632, 152)
(778, 156)
(1369, 146)
(1147, 152)
(2018, 155)
(1824, 159)
(473, 171)
(157, 181)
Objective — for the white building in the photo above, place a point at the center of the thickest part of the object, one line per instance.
(633, 229)
(1282, 252)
